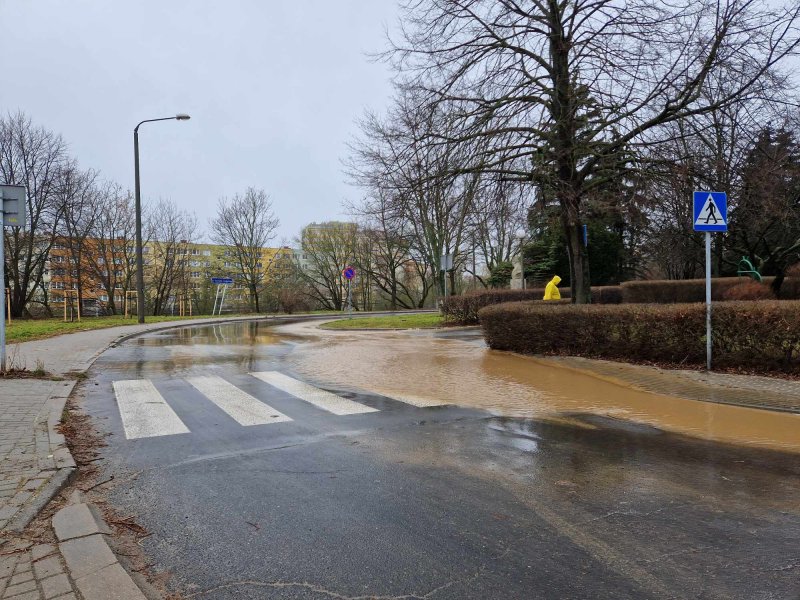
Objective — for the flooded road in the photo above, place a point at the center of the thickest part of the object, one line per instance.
(427, 364)
(285, 462)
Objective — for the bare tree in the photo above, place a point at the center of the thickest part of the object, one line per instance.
(553, 91)
(326, 249)
(392, 268)
(422, 180)
(246, 224)
(36, 158)
(113, 264)
(500, 211)
(166, 263)
(79, 200)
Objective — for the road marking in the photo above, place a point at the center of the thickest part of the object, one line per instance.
(319, 398)
(240, 406)
(144, 411)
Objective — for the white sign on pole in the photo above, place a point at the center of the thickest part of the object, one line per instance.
(446, 262)
(12, 214)
(710, 215)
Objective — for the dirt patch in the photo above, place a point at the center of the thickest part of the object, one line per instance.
(26, 374)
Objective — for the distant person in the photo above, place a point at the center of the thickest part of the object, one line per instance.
(551, 291)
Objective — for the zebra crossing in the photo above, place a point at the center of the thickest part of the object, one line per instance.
(145, 413)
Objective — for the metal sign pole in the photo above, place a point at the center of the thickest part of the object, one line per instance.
(708, 300)
(349, 298)
(2, 287)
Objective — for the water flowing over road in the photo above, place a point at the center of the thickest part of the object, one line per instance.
(284, 461)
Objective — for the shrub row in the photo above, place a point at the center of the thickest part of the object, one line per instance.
(464, 309)
(764, 335)
(670, 291)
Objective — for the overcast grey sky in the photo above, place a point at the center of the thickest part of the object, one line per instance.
(273, 88)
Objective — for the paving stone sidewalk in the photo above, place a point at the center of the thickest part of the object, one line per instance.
(35, 462)
(34, 572)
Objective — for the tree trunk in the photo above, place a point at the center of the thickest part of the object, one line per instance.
(254, 291)
(580, 282)
(778, 282)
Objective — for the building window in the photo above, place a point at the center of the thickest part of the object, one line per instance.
(103, 297)
(56, 285)
(206, 252)
(196, 274)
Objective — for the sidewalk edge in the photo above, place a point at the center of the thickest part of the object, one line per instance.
(93, 565)
(59, 456)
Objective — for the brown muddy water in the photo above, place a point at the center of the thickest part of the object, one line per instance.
(422, 365)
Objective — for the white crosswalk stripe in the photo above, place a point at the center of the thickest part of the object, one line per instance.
(240, 406)
(319, 398)
(144, 411)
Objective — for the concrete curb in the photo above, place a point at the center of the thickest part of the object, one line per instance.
(91, 562)
(59, 457)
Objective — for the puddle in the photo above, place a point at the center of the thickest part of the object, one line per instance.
(465, 372)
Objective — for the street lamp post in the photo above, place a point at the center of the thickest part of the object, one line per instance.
(139, 251)
(521, 235)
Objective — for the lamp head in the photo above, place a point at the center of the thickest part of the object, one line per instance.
(182, 117)
(521, 234)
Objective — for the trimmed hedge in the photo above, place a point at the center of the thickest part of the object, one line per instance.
(764, 334)
(464, 309)
(674, 291)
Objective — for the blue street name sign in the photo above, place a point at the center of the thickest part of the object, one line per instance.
(222, 280)
(710, 211)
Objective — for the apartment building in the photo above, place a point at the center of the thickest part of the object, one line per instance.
(102, 273)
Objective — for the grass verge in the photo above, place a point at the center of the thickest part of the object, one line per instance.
(38, 329)
(412, 321)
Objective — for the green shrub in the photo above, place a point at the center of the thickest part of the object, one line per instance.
(761, 335)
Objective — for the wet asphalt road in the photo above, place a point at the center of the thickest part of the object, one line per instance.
(437, 502)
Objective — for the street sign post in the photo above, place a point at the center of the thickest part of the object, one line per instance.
(711, 216)
(349, 274)
(222, 284)
(446, 264)
(12, 214)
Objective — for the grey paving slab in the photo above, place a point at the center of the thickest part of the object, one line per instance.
(86, 555)
(109, 583)
(77, 521)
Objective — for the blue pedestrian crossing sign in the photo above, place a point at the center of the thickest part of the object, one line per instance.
(710, 211)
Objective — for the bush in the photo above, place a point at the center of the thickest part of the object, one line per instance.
(672, 291)
(607, 294)
(762, 335)
(749, 290)
(464, 309)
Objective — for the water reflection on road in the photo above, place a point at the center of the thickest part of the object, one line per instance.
(465, 372)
